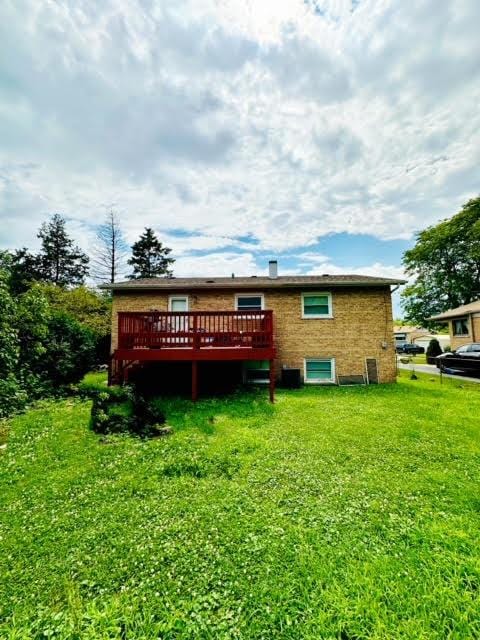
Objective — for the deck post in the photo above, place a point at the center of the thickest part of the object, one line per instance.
(272, 381)
(194, 380)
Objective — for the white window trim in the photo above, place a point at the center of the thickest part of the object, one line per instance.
(332, 380)
(249, 295)
(317, 316)
(176, 297)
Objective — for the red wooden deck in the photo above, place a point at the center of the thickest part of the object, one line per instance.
(193, 336)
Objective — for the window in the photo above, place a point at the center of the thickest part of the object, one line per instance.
(475, 347)
(316, 305)
(178, 303)
(257, 371)
(249, 302)
(460, 327)
(319, 370)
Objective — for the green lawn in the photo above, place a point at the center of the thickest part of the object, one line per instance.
(336, 513)
(421, 358)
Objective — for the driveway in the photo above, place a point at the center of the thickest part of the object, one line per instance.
(432, 370)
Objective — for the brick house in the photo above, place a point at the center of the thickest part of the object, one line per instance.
(463, 323)
(406, 334)
(329, 327)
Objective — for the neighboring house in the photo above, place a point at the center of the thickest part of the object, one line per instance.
(463, 323)
(407, 334)
(327, 326)
(416, 335)
(442, 338)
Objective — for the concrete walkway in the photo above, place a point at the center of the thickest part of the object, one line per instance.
(432, 370)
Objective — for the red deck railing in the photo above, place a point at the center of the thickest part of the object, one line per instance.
(195, 330)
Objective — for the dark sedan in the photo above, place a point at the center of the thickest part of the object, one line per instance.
(410, 349)
(466, 359)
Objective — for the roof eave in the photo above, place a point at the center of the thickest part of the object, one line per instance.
(244, 285)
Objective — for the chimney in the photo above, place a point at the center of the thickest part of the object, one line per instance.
(272, 269)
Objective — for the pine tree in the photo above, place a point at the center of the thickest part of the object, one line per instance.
(24, 268)
(109, 252)
(149, 257)
(62, 262)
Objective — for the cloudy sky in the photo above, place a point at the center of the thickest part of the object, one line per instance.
(321, 132)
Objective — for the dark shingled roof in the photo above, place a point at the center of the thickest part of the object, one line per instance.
(465, 309)
(257, 282)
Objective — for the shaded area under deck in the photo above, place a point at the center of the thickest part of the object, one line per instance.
(196, 336)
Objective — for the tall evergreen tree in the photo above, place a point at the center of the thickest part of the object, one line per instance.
(62, 262)
(23, 269)
(109, 251)
(149, 257)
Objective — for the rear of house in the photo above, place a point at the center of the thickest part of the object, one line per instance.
(328, 327)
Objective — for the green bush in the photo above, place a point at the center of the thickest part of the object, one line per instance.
(109, 415)
(70, 351)
(434, 349)
(123, 411)
(90, 389)
(12, 395)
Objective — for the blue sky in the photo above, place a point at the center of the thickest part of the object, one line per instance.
(325, 133)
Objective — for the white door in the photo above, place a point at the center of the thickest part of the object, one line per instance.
(179, 323)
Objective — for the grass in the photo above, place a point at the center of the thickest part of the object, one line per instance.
(420, 358)
(334, 514)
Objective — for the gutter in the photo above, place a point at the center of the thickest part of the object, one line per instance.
(253, 286)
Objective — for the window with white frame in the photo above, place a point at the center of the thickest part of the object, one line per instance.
(319, 370)
(460, 327)
(178, 303)
(317, 305)
(249, 302)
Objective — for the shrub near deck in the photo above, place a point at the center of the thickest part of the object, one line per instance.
(337, 513)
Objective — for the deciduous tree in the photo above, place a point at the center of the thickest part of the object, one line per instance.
(445, 265)
(110, 250)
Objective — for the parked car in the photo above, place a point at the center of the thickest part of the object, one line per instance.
(410, 349)
(465, 359)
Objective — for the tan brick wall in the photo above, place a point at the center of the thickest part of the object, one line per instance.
(473, 335)
(362, 322)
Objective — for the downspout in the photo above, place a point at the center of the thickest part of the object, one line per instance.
(472, 324)
(394, 350)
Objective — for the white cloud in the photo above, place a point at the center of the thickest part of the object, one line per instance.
(281, 120)
(219, 264)
(317, 264)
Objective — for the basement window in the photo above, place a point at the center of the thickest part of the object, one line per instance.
(257, 371)
(319, 371)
